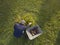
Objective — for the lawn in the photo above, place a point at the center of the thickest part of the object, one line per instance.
(45, 13)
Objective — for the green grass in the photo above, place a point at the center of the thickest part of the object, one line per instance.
(46, 13)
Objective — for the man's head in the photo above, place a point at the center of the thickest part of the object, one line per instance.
(23, 21)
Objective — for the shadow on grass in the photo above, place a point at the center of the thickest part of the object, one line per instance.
(21, 41)
(58, 39)
(24, 40)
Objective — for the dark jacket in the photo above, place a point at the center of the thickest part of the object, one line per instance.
(18, 29)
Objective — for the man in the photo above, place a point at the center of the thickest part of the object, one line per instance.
(19, 29)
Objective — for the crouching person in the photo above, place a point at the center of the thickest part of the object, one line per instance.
(19, 29)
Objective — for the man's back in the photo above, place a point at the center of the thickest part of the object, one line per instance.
(18, 29)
